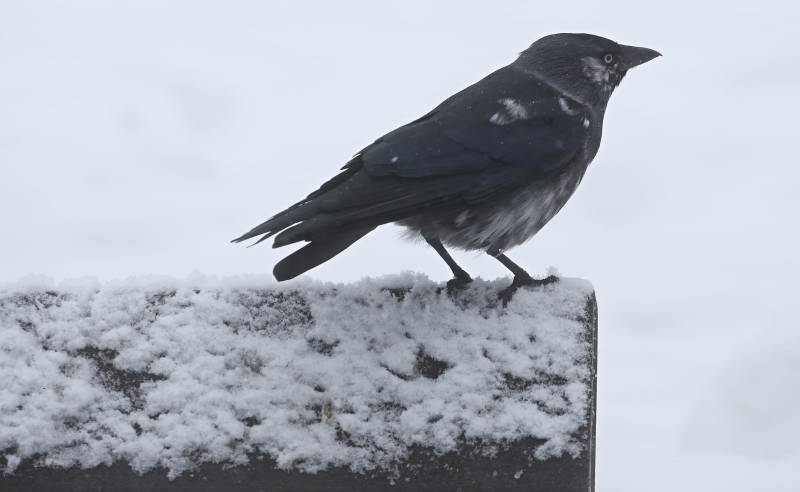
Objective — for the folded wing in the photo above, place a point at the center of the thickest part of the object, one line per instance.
(497, 135)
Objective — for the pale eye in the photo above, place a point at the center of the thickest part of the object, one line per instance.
(608, 58)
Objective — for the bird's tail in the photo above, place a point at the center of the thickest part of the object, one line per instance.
(316, 252)
(300, 211)
(277, 223)
(305, 221)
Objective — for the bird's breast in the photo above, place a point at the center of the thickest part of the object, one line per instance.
(502, 223)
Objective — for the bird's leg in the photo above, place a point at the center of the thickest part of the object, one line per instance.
(521, 277)
(460, 277)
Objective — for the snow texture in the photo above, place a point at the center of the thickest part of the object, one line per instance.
(167, 373)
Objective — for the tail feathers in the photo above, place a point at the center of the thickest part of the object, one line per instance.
(277, 223)
(308, 230)
(304, 209)
(315, 253)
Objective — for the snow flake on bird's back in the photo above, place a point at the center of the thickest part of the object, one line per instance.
(565, 107)
(512, 111)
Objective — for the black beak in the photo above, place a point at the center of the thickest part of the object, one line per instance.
(633, 56)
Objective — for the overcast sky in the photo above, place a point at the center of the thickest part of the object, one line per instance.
(139, 138)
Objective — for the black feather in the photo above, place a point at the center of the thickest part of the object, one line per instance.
(316, 253)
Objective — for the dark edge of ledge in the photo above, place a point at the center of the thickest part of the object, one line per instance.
(591, 450)
(511, 469)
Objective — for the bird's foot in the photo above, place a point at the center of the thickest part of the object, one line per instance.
(458, 283)
(506, 294)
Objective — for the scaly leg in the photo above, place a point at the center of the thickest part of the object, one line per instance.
(460, 277)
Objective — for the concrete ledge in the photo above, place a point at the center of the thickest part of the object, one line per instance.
(387, 384)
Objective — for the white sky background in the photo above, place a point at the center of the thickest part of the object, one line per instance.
(140, 138)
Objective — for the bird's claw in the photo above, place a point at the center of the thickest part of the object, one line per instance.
(506, 294)
(457, 284)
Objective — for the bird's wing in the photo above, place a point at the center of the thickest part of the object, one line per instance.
(496, 125)
(497, 135)
(476, 146)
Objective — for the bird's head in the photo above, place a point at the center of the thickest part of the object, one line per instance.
(585, 66)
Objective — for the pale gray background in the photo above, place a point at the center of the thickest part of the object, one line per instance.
(139, 137)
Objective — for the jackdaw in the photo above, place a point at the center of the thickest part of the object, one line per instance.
(484, 170)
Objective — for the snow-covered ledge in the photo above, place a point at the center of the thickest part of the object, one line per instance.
(242, 384)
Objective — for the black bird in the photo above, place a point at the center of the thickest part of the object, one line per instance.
(484, 170)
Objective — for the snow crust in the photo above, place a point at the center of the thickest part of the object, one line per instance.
(167, 373)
